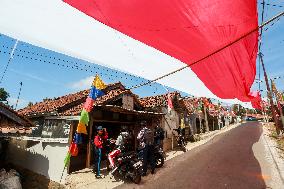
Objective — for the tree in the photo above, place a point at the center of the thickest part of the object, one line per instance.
(30, 104)
(238, 109)
(3, 94)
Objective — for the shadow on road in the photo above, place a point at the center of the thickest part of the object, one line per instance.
(227, 161)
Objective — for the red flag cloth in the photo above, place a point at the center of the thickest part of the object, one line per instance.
(88, 105)
(170, 103)
(189, 30)
(256, 101)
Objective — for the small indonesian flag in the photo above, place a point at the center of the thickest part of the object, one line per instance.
(170, 103)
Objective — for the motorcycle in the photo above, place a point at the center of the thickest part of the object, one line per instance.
(159, 156)
(181, 142)
(128, 166)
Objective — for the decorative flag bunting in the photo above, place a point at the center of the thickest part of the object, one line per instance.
(81, 128)
(170, 103)
(95, 92)
(78, 139)
(84, 118)
(67, 159)
(98, 83)
(88, 105)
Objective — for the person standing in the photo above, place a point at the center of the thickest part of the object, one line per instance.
(99, 139)
(146, 146)
(159, 135)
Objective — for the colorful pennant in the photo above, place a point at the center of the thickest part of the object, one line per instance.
(95, 92)
(88, 105)
(84, 118)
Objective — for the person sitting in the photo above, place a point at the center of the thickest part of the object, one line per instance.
(120, 143)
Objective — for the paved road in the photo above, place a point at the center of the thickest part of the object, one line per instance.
(227, 161)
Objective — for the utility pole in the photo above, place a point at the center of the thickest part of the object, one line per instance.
(270, 96)
(205, 117)
(21, 84)
(276, 95)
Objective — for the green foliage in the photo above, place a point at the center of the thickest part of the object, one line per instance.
(3, 94)
(238, 109)
(30, 104)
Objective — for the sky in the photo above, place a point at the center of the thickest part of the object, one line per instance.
(48, 74)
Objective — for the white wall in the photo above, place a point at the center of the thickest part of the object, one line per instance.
(41, 157)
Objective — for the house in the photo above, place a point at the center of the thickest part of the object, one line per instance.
(182, 113)
(195, 115)
(11, 125)
(56, 121)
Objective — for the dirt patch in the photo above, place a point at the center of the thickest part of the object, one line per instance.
(278, 139)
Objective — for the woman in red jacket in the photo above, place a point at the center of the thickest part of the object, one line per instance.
(98, 142)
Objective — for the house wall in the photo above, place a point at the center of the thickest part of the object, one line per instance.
(40, 157)
(192, 123)
(170, 121)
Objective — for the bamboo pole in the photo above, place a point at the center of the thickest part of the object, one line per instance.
(270, 96)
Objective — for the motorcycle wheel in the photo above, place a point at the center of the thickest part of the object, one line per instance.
(183, 146)
(159, 161)
(135, 175)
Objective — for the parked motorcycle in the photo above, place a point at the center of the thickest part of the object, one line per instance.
(159, 156)
(181, 142)
(128, 166)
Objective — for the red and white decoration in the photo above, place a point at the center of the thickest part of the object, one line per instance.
(148, 38)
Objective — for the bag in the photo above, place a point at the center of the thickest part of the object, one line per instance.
(148, 137)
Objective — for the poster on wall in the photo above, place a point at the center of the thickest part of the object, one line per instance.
(56, 128)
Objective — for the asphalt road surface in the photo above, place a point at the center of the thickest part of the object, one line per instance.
(227, 161)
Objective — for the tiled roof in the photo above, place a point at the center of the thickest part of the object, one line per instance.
(13, 115)
(190, 104)
(52, 105)
(70, 101)
(157, 101)
(109, 96)
(14, 123)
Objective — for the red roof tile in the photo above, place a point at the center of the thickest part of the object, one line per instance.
(72, 104)
(14, 116)
(109, 96)
(157, 101)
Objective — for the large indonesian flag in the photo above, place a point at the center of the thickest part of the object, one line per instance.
(155, 37)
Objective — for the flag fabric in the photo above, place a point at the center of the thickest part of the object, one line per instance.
(81, 128)
(95, 92)
(181, 32)
(67, 159)
(84, 118)
(257, 101)
(88, 105)
(170, 103)
(78, 139)
(190, 30)
(98, 83)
